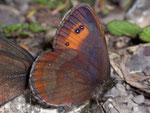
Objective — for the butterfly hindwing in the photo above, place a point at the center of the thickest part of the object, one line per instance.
(14, 68)
(62, 77)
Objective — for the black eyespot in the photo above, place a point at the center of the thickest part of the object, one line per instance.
(77, 30)
(67, 43)
(81, 27)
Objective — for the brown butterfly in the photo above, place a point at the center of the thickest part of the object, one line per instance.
(79, 64)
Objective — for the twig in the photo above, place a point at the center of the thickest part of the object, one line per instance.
(60, 8)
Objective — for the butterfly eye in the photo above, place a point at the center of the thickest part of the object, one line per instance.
(67, 43)
(77, 30)
(81, 27)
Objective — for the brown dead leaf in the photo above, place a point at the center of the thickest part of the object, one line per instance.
(132, 77)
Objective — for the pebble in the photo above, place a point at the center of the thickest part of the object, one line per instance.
(147, 70)
(22, 5)
(10, 15)
(140, 7)
(147, 102)
(49, 36)
(131, 104)
(135, 109)
(137, 62)
(143, 109)
(113, 16)
(121, 89)
(148, 109)
(128, 87)
(139, 99)
(113, 92)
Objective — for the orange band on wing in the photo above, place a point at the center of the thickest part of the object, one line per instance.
(74, 39)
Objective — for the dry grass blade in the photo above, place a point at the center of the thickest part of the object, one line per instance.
(60, 7)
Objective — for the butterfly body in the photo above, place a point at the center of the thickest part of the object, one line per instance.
(79, 63)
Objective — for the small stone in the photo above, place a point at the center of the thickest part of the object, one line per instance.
(121, 108)
(137, 62)
(121, 99)
(113, 111)
(135, 109)
(22, 5)
(140, 7)
(50, 34)
(10, 15)
(121, 42)
(112, 16)
(143, 109)
(147, 70)
(109, 106)
(147, 102)
(128, 87)
(148, 109)
(121, 89)
(46, 17)
(131, 104)
(114, 92)
(139, 99)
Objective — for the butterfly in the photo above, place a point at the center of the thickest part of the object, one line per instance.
(15, 63)
(78, 64)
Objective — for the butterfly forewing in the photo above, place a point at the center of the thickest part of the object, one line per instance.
(14, 68)
(82, 31)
